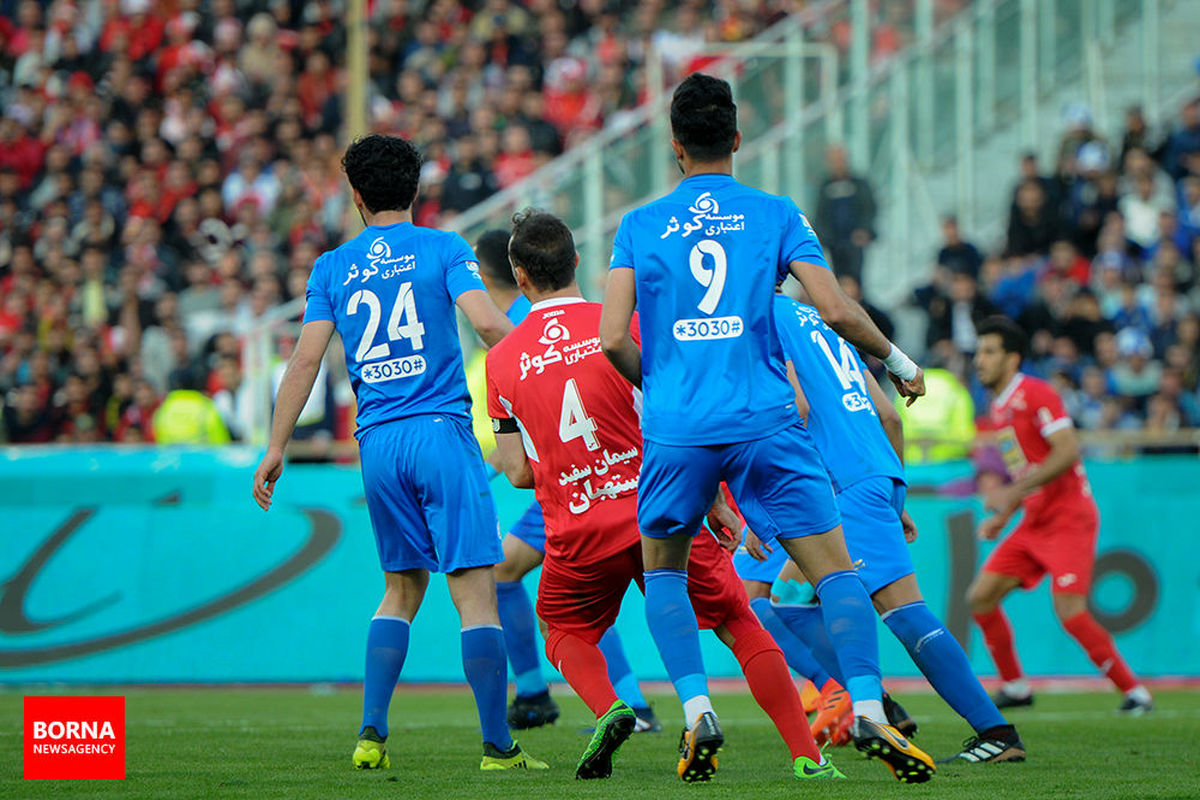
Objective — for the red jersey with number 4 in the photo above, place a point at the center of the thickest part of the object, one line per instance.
(1024, 415)
(581, 425)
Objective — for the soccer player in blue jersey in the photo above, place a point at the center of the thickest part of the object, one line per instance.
(845, 405)
(525, 543)
(701, 265)
(390, 293)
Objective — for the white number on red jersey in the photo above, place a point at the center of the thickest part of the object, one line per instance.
(573, 422)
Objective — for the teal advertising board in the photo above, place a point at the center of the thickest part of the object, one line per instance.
(154, 565)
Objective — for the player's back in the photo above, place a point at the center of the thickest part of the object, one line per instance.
(390, 292)
(1024, 415)
(842, 418)
(579, 421)
(706, 259)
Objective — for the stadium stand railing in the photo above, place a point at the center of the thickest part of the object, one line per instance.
(991, 74)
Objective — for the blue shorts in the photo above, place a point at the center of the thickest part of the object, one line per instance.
(429, 500)
(780, 485)
(531, 528)
(871, 510)
(751, 569)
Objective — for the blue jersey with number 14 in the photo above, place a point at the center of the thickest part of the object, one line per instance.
(842, 419)
(390, 293)
(706, 258)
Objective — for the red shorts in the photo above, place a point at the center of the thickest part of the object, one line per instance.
(584, 599)
(1063, 545)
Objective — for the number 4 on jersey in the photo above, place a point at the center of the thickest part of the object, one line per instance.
(574, 422)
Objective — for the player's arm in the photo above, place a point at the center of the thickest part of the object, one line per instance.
(510, 454)
(487, 320)
(293, 393)
(851, 322)
(1064, 452)
(889, 418)
(802, 406)
(616, 338)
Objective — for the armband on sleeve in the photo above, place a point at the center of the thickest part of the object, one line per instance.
(505, 425)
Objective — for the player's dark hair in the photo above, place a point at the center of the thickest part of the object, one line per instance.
(1012, 338)
(704, 117)
(542, 245)
(384, 170)
(492, 250)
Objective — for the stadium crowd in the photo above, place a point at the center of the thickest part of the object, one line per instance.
(1099, 266)
(169, 171)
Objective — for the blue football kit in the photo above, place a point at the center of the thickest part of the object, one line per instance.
(390, 292)
(863, 466)
(717, 404)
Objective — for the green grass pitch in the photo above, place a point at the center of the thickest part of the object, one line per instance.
(296, 743)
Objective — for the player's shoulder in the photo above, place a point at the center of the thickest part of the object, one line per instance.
(1034, 387)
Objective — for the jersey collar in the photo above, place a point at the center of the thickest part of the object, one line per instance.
(1008, 390)
(556, 301)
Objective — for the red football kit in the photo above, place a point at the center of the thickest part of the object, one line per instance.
(580, 422)
(1058, 532)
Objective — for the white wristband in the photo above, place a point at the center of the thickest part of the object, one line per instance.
(900, 365)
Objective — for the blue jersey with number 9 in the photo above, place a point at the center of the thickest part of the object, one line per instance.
(842, 419)
(390, 293)
(706, 259)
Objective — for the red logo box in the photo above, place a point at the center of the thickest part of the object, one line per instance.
(73, 738)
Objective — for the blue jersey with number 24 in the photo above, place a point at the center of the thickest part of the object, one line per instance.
(706, 258)
(390, 292)
(842, 419)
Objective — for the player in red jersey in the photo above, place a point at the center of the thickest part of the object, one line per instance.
(1058, 533)
(569, 425)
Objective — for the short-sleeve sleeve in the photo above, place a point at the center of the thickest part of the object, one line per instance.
(462, 268)
(496, 409)
(799, 242)
(317, 305)
(1049, 413)
(622, 253)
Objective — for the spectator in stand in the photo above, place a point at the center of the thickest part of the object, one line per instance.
(953, 317)
(469, 180)
(1032, 225)
(1181, 155)
(517, 159)
(957, 255)
(1136, 376)
(845, 219)
(853, 290)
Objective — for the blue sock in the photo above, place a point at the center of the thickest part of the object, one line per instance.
(808, 624)
(387, 645)
(620, 674)
(673, 625)
(485, 668)
(941, 659)
(850, 622)
(520, 639)
(797, 654)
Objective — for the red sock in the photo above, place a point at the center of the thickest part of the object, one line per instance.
(998, 635)
(1101, 649)
(583, 665)
(771, 684)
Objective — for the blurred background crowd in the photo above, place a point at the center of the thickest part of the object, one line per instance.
(170, 170)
